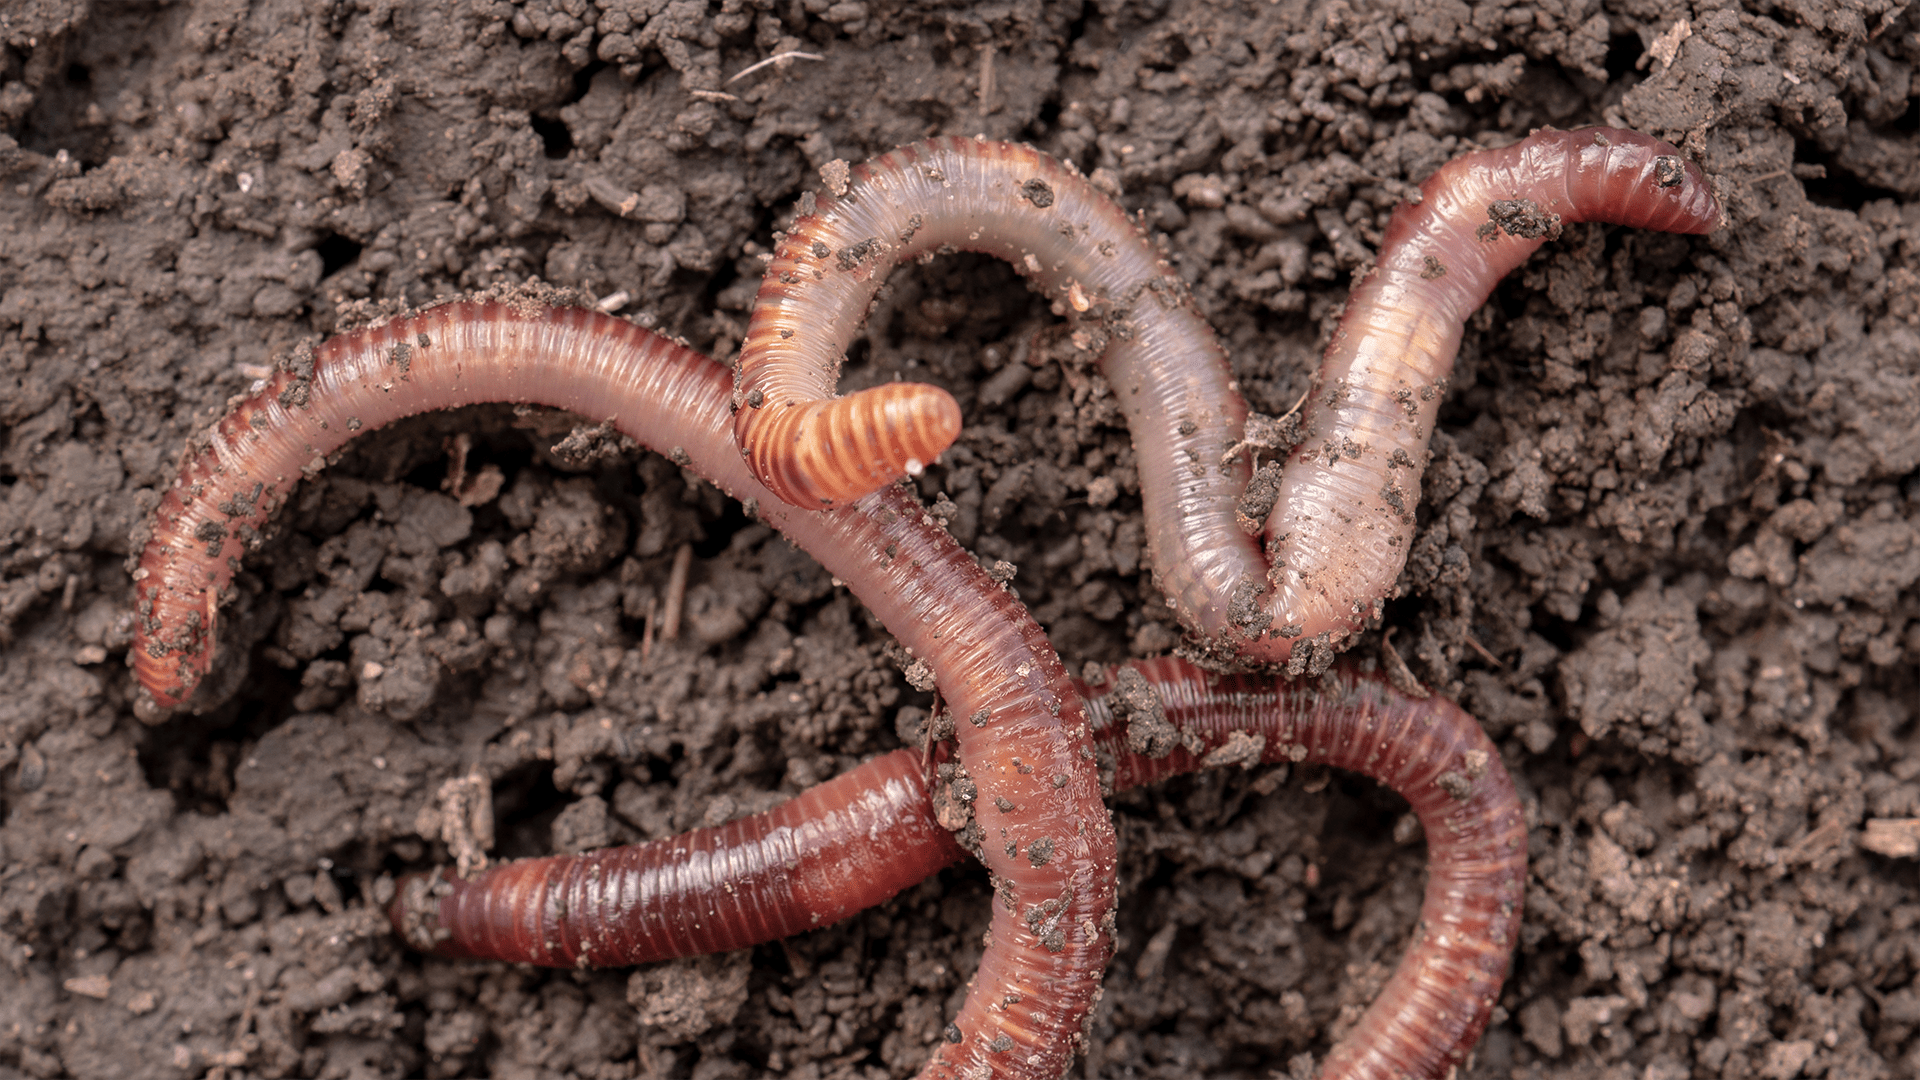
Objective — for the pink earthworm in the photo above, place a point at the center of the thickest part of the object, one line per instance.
(861, 838)
(1338, 518)
(1037, 820)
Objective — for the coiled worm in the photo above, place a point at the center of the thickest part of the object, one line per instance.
(1338, 519)
(1028, 753)
(861, 838)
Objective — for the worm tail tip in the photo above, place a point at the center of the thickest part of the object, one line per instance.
(829, 453)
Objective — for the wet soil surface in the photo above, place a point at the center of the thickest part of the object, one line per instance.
(1668, 555)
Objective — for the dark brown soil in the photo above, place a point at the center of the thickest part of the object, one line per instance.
(1669, 553)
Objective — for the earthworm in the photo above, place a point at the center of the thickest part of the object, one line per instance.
(1038, 821)
(813, 449)
(835, 849)
(1338, 518)
(863, 837)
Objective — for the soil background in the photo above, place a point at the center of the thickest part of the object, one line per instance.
(1668, 554)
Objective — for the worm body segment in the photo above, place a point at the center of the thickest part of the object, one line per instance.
(872, 832)
(1337, 527)
(1343, 523)
(1433, 1009)
(1002, 199)
(989, 658)
(838, 848)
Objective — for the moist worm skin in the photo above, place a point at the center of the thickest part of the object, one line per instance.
(863, 837)
(1075, 244)
(835, 849)
(1431, 1012)
(1033, 752)
(1339, 533)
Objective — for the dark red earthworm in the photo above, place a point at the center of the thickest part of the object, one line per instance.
(1431, 1012)
(863, 837)
(835, 849)
(1339, 519)
(1028, 750)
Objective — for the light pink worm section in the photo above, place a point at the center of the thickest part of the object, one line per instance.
(1031, 755)
(1338, 535)
(1075, 244)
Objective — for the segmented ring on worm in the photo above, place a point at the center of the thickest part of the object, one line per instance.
(837, 848)
(1338, 519)
(861, 838)
(1029, 756)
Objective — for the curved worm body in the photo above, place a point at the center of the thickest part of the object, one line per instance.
(1343, 522)
(1014, 202)
(863, 837)
(1029, 754)
(1339, 520)
(1434, 754)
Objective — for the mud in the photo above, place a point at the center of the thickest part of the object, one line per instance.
(1668, 556)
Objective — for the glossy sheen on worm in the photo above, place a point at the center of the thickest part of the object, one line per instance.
(861, 838)
(1431, 1012)
(1341, 529)
(1342, 510)
(1032, 750)
(836, 849)
(943, 194)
